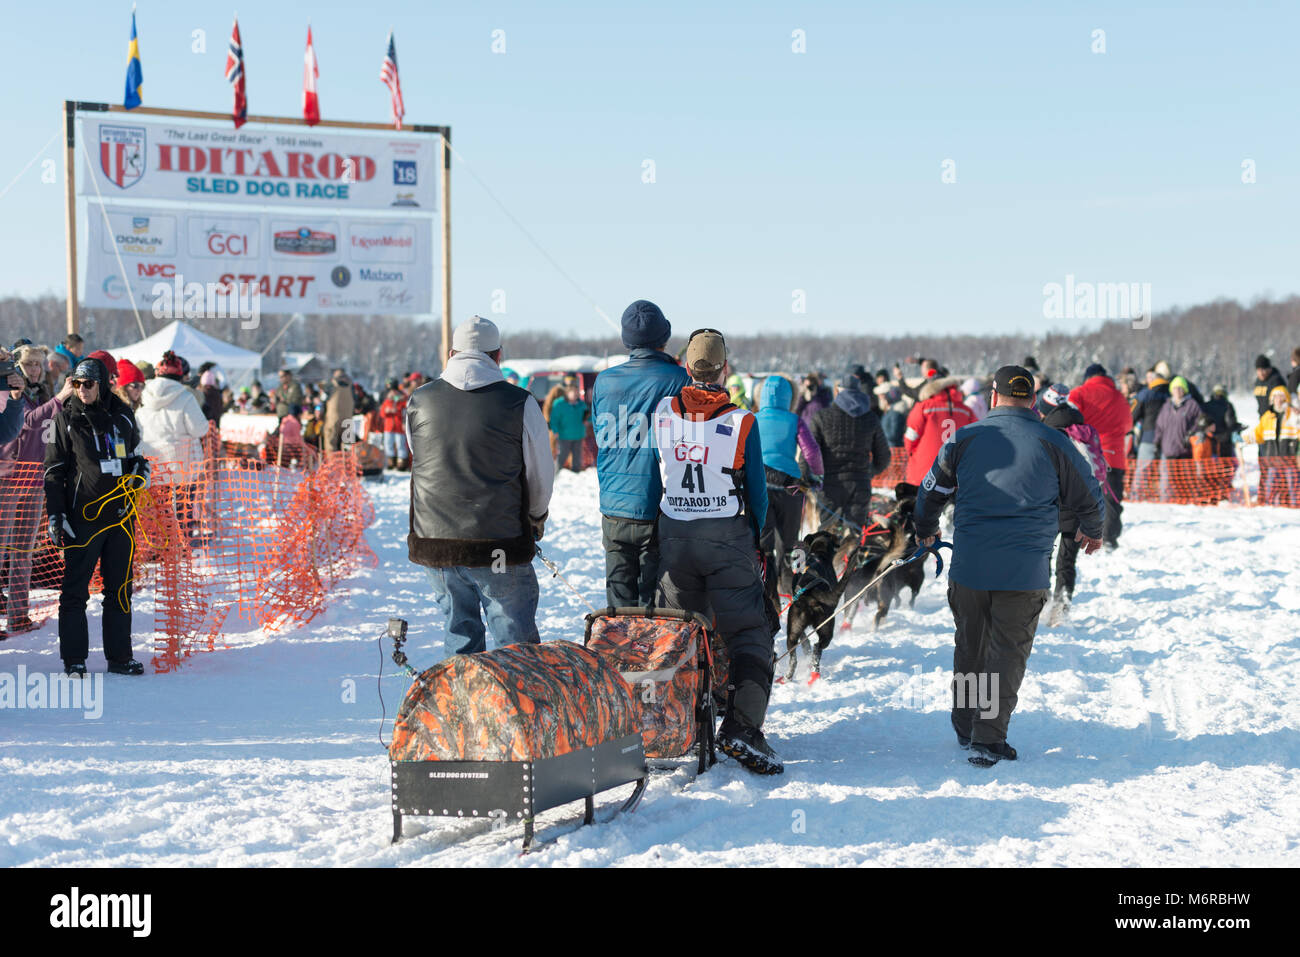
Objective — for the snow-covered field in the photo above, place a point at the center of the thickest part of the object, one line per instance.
(1161, 726)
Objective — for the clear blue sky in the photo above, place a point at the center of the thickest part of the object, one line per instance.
(775, 171)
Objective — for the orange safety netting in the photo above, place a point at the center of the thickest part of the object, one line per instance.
(1205, 481)
(224, 534)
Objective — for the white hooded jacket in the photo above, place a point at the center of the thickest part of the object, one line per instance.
(171, 425)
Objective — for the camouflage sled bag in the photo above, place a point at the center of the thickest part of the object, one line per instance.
(669, 660)
(517, 703)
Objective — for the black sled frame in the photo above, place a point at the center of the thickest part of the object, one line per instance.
(514, 791)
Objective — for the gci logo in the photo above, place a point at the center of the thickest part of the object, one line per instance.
(691, 453)
(226, 244)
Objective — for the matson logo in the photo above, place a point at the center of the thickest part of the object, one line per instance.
(380, 275)
(691, 453)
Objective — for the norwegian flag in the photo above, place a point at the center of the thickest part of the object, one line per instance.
(235, 76)
(388, 73)
(310, 104)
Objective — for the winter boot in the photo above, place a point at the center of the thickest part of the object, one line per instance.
(741, 734)
(750, 748)
(20, 624)
(987, 755)
(403, 465)
(131, 667)
(75, 669)
(1060, 608)
(392, 463)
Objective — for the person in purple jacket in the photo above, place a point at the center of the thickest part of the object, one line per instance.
(1174, 428)
(22, 483)
(813, 397)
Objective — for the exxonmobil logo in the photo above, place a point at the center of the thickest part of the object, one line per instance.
(687, 452)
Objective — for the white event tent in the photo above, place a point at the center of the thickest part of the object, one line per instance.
(241, 366)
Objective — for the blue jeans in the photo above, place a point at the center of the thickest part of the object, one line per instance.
(507, 597)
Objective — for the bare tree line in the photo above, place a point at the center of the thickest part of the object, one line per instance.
(1212, 343)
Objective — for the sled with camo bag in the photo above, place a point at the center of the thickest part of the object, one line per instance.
(506, 734)
(674, 664)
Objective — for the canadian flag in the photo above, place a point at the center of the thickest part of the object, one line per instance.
(310, 105)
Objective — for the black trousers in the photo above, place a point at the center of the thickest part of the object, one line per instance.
(631, 561)
(784, 516)
(850, 497)
(1114, 508)
(111, 550)
(711, 566)
(995, 634)
(1067, 556)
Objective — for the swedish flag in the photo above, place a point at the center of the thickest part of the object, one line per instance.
(134, 75)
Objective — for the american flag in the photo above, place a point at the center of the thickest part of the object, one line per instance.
(388, 73)
(235, 76)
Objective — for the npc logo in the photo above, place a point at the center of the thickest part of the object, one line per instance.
(122, 154)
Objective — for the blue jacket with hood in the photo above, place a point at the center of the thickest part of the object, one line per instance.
(623, 401)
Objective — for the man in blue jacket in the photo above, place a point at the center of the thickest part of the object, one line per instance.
(1011, 474)
(623, 400)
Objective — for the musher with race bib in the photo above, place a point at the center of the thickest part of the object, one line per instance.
(711, 516)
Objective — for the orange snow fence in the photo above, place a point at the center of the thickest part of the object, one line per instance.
(1183, 481)
(223, 535)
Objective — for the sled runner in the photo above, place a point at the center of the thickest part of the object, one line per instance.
(509, 733)
(673, 664)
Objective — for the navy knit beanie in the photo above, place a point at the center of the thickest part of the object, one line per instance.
(644, 326)
(1095, 369)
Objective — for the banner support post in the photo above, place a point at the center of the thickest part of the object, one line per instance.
(446, 244)
(70, 201)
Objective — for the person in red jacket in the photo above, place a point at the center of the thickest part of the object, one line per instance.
(940, 411)
(392, 411)
(1106, 410)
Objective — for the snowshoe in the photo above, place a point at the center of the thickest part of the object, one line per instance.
(748, 746)
(987, 755)
(131, 667)
(74, 669)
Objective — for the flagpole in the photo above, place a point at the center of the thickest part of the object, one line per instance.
(446, 244)
(70, 204)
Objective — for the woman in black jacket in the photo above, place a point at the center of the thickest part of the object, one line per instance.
(91, 460)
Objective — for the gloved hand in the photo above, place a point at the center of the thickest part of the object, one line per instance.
(61, 533)
(539, 527)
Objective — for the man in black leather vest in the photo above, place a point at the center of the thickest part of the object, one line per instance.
(481, 478)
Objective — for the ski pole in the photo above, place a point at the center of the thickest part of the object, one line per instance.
(555, 573)
(921, 552)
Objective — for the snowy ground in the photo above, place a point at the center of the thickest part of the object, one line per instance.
(1159, 727)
